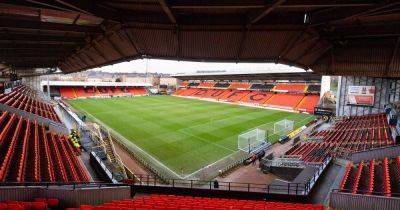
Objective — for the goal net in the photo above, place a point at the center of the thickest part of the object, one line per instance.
(251, 140)
(283, 127)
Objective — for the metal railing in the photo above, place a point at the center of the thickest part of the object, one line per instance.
(150, 181)
(367, 193)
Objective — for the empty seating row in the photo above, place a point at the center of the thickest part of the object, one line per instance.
(290, 87)
(373, 177)
(77, 92)
(31, 153)
(34, 105)
(357, 122)
(352, 134)
(290, 101)
(239, 86)
(172, 202)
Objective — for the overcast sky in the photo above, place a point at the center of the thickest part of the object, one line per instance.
(173, 67)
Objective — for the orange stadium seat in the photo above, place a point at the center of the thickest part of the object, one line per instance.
(189, 92)
(352, 134)
(216, 93)
(184, 84)
(200, 93)
(234, 95)
(373, 177)
(206, 85)
(140, 91)
(284, 100)
(21, 98)
(239, 86)
(290, 87)
(67, 92)
(256, 97)
(199, 203)
(308, 103)
(53, 154)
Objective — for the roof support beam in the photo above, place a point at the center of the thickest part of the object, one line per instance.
(290, 45)
(307, 51)
(88, 56)
(242, 40)
(394, 54)
(116, 48)
(321, 55)
(73, 6)
(94, 45)
(265, 12)
(131, 40)
(81, 60)
(177, 42)
(43, 3)
(167, 11)
(46, 26)
(356, 15)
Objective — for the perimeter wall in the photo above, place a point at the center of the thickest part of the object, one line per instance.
(386, 90)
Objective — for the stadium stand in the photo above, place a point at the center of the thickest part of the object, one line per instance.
(206, 85)
(265, 87)
(234, 96)
(308, 103)
(256, 97)
(284, 100)
(82, 92)
(184, 84)
(350, 134)
(68, 92)
(281, 87)
(239, 86)
(200, 203)
(373, 177)
(314, 88)
(288, 96)
(31, 153)
(21, 98)
(221, 85)
(194, 84)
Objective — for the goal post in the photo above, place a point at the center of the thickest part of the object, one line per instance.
(251, 140)
(283, 127)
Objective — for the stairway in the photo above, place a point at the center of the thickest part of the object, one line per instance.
(75, 95)
(106, 140)
(300, 103)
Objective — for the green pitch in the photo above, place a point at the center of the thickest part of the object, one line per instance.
(183, 134)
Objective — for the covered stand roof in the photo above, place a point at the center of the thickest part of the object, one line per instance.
(336, 37)
(294, 76)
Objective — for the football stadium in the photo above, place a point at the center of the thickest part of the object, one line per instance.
(275, 105)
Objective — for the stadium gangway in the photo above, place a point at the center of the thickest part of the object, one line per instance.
(293, 189)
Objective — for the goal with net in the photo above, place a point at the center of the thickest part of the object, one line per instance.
(283, 127)
(252, 140)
